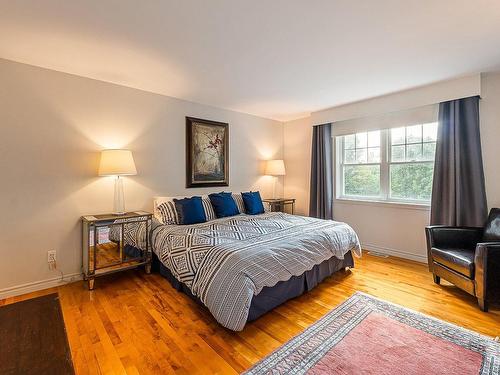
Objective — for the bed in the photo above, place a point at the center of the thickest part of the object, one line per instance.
(242, 266)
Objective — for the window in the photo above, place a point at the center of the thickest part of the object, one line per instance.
(412, 161)
(390, 165)
(361, 155)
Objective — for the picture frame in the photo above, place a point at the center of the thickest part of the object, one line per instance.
(207, 153)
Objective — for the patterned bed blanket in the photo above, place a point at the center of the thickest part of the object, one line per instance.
(225, 262)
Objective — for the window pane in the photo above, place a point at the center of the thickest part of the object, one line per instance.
(362, 180)
(361, 140)
(361, 155)
(430, 132)
(374, 138)
(374, 155)
(429, 151)
(397, 136)
(398, 153)
(414, 152)
(414, 134)
(349, 141)
(349, 156)
(411, 181)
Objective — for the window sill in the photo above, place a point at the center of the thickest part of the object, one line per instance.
(389, 204)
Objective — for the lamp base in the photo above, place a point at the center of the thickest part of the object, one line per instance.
(275, 179)
(119, 202)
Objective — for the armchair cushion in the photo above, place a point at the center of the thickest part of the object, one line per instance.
(492, 227)
(459, 260)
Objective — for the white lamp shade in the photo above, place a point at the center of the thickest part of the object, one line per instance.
(117, 163)
(275, 168)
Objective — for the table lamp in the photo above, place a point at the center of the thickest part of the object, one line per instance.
(117, 163)
(275, 168)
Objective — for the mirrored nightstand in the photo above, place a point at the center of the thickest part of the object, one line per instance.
(104, 250)
(280, 204)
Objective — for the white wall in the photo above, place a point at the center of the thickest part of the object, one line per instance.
(389, 228)
(53, 126)
(407, 99)
(386, 228)
(490, 135)
(298, 138)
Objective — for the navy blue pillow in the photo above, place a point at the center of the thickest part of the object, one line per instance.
(190, 210)
(223, 204)
(253, 203)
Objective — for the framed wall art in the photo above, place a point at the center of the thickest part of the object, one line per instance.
(207, 153)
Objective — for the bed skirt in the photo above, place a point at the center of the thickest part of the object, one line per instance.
(271, 297)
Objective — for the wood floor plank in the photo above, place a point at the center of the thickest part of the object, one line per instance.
(134, 323)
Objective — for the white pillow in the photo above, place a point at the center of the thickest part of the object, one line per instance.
(165, 211)
(239, 202)
(209, 209)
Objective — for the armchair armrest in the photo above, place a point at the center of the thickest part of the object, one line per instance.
(487, 263)
(452, 237)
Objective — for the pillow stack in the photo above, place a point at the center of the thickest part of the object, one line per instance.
(190, 210)
(167, 212)
(200, 209)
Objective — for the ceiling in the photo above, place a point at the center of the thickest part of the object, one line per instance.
(279, 59)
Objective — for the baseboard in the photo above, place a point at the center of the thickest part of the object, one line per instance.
(56, 281)
(38, 285)
(394, 252)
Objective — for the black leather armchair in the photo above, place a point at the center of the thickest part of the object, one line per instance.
(468, 257)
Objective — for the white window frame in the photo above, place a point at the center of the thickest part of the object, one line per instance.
(385, 164)
(339, 145)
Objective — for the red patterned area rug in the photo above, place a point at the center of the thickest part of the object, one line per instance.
(365, 335)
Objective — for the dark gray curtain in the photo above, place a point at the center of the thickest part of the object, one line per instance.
(458, 192)
(321, 195)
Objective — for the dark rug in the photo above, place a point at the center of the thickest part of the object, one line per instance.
(33, 338)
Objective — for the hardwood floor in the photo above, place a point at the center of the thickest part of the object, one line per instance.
(134, 323)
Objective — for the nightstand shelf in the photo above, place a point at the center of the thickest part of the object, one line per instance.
(280, 204)
(103, 247)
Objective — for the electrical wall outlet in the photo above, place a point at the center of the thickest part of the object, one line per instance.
(51, 259)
